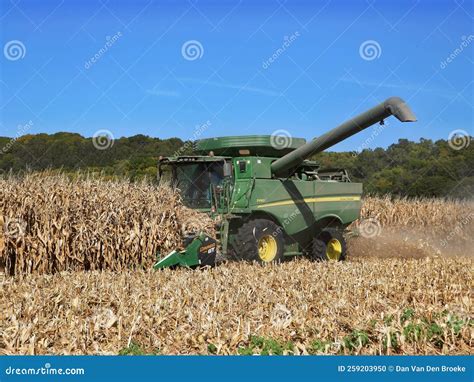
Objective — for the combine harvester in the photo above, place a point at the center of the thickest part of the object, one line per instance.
(268, 200)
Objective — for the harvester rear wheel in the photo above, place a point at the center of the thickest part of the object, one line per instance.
(259, 240)
(329, 245)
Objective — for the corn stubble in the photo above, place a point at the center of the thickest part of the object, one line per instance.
(184, 311)
(370, 304)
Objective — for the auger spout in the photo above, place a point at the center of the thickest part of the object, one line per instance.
(395, 106)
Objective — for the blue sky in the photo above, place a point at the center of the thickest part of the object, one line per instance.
(144, 81)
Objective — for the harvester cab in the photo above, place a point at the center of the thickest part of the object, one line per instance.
(198, 178)
(267, 198)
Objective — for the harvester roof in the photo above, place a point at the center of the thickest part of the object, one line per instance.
(249, 145)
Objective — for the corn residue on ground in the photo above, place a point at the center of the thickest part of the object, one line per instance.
(394, 306)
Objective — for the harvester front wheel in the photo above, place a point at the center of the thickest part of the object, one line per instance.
(260, 240)
(329, 245)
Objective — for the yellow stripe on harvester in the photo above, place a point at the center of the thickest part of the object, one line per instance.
(312, 200)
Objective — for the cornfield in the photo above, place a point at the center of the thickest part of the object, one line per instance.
(53, 223)
(414, 227)
(432, 216)
(398, 293)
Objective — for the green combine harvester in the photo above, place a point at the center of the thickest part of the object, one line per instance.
(267, 199)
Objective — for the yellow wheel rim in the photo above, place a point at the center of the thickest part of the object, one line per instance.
(267, 248)
(334, 250)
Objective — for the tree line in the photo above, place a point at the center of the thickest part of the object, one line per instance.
(405, 168)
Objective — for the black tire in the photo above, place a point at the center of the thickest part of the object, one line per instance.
(259, 232)
(328, 243)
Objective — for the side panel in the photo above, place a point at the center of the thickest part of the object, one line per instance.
(241, 195)
(298, 204)
(338, 199)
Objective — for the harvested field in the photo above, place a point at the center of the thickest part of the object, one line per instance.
(369, 306)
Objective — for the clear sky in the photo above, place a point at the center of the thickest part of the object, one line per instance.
(162, 68)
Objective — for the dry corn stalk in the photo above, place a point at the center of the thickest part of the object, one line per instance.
(50, 223)
(427, 214)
